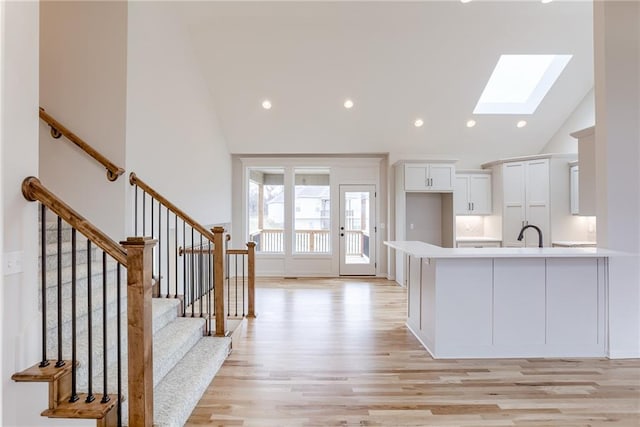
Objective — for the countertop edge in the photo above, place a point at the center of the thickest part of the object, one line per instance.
(425, 250)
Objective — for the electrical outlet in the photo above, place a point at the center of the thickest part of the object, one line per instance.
(12, 263)
(410, 226)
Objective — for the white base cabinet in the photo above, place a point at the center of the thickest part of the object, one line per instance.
(508, 307)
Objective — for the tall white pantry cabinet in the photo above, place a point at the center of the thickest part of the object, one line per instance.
(532, 190)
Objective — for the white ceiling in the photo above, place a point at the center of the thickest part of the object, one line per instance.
(396, 60)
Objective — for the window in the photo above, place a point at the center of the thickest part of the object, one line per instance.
(312, 221)
(266, 209)
(519, 83)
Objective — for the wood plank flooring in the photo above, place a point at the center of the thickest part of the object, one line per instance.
(335, 352)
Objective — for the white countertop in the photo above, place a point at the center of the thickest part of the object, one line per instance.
(478, 239)
(425, 250)
(573, 243)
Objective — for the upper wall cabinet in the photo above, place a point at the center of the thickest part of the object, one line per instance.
(587, 160)
(574, 177)
(434, 177)
(472, 195)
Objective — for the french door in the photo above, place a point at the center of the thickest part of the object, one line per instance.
(357, 230)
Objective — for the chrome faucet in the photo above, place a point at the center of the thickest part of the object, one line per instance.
(521, 235)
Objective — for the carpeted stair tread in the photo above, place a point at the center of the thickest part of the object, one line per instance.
(172, 342)
(181, 389)
(164, 310)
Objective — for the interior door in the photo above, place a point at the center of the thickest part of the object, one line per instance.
(357, 230)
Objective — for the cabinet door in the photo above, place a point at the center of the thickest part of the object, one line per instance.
(537, 200)
(415, 177)
(513, 214)
(461, 195)
(480, 194)
(441, 177)
(574, 180)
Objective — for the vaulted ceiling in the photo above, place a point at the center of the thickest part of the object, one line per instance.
(397, 60)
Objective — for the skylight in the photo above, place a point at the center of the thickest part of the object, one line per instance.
(519, 83)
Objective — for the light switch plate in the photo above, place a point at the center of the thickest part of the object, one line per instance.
(12, 263)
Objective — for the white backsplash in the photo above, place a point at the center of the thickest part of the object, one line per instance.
(469, 226)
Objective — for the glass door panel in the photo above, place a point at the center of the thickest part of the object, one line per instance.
(357, 230)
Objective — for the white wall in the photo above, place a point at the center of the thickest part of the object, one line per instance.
(174, 142)
(617, 139)
(583, 116)
(21, 403)
(83, 85)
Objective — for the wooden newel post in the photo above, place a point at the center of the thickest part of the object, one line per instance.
(218, 286)
(140, 329)
(251, 288)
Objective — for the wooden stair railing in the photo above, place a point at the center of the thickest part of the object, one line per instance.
(58, 130)
(200, 284)
(240, 287)
(65, 400)
(250, 254)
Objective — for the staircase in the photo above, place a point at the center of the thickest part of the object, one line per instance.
(184, 360)
(95, 297)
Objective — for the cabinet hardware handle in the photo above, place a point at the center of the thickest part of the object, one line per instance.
(473, 206)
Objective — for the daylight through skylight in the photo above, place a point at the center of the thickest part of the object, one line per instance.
(519, 83)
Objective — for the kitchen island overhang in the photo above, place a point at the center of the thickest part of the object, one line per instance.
(507, 302)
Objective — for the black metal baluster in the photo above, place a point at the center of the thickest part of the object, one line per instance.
(119, 333)
(144, 213)
(243, 284)
(193, 302)
(236, 294)
(74, 393)
(60, 362)
(168, 253)
(153, 253)
(159, 250)
(43, 277)
(105, 396)
(184, 269)
(210, 264)
(201, 280)
(175, 239)
(90, 396)
(228, 287)
(135, 209)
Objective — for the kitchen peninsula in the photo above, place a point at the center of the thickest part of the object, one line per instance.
(507, 302)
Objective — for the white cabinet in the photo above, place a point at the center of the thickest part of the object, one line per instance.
(587, 161)
(472, 194)
(574, 174)
(436, 177)
(525, 201)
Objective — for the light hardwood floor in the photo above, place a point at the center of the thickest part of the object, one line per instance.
(335, 352)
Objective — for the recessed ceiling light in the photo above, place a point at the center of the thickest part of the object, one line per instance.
(348, 104)
(418, 123)
(471, 123)
(266, 104)
(521, 124)
(545, 1)
(518, 83)
(465, 1)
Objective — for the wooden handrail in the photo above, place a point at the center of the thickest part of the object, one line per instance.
(238, 251)
(58, 129)
(134, 180)
(33, 190)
